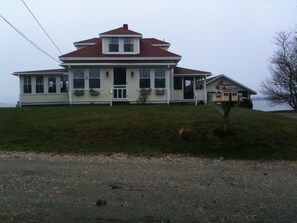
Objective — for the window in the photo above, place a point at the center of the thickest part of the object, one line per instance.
(234, 94)
(64, 84)
(226, 94)
(39, 85)
(144, 79)
(178, 83)
(94, 78)
(51, 85)
(27, 85)
(159, 78)
(113, 45)
(78, 78)
(128, 45)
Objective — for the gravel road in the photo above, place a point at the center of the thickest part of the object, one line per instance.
(119, 188)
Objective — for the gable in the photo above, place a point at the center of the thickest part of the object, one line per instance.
(225, 80)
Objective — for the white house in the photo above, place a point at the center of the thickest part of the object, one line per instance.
(119, 66)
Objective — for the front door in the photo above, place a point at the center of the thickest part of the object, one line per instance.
(119, 84)
(188, 87)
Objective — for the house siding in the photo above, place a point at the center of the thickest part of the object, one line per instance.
(32, 99)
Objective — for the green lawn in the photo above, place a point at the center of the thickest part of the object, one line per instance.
(148, 130)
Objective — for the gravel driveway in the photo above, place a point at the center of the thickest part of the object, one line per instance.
(56, 188)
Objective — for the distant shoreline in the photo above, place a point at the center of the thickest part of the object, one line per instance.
(8, 105)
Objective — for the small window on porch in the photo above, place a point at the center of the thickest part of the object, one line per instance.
(145, 78)
(27, 85)
(64, 84)
(178, 83)
(39, 84)
(94, 78)
(159, 78)
(78, 78)
(51, 85)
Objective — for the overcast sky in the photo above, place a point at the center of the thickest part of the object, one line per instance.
(232, 37)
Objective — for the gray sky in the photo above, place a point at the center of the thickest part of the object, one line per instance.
(232, 37)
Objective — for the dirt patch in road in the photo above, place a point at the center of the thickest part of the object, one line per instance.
(119, 188)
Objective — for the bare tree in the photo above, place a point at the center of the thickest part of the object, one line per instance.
(281, 87)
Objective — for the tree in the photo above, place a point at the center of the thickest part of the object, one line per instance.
(281, 87)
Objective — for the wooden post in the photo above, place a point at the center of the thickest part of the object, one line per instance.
(225, 108)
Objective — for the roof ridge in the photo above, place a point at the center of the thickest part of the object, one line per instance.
(121, 31)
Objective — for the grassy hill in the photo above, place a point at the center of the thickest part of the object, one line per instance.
(149, 130)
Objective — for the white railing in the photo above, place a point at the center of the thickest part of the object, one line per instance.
(118, 93)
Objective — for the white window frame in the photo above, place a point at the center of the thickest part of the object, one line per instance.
(160, 75)
(145, 74)
(130, 44)
(62, 83)
(79, 74)
(113, 41)
(94, 76)
(27, 83)
(53, 85)
(39, 84)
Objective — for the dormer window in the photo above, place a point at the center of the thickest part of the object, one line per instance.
(128, 45)
(113, 44)
(120, 41)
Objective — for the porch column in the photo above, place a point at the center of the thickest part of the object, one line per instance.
(205, 91)
(70, 86)
(20, 94)
(168, 85)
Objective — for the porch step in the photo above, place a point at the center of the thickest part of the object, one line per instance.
(182, 103)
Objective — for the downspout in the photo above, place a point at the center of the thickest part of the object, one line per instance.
(205, 90)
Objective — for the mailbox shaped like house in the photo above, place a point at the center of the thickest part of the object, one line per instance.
(226, 92)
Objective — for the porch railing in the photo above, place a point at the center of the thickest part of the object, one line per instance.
(118, 93)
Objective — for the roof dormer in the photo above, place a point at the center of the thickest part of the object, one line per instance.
(121, 41)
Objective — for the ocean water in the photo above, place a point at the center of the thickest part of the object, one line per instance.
(264, 105)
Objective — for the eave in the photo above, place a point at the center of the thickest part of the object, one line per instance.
(132, 58)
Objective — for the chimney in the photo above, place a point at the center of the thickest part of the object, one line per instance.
(125, 26)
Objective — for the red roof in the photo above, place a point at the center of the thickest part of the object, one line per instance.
(93, 40)
(121, 31)
(155, 41)
(146, 50)
(181, 70)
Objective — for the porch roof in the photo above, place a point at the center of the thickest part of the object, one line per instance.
(41, 72)
(181, 71)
